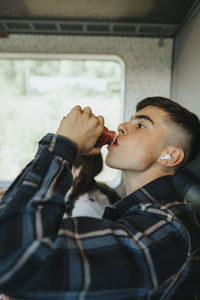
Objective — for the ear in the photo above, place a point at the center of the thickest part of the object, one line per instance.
(174, 156)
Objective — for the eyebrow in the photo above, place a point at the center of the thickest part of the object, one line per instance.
(143, 117)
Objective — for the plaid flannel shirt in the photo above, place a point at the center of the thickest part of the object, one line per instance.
(139, 250)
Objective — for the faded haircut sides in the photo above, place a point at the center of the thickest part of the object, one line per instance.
(187, 121)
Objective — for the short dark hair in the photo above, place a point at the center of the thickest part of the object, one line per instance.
(186, 120)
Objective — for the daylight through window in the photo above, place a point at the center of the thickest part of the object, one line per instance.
(35, 95)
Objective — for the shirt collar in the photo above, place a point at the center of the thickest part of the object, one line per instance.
(158, 189)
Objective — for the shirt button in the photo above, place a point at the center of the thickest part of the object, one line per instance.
(38, 167)
(42, 142)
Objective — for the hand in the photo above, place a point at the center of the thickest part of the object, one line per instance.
(83, 128)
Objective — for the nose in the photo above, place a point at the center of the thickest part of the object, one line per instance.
(122, 129)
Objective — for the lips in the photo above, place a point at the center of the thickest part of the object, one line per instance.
(111, 146)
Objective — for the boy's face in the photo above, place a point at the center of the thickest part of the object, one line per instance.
(140, 142)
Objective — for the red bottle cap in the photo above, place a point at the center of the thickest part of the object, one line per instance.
(108, 137)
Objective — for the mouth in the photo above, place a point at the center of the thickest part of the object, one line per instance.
(115, 144)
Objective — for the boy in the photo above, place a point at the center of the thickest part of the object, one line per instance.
(144, 247)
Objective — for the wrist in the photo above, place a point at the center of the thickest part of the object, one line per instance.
(61, 146)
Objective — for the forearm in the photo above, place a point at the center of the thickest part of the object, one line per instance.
(55, 153)
(32, 208)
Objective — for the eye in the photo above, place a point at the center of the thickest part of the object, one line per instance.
(140, 125)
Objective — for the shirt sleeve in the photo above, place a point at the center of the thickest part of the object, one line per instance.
(32, 208)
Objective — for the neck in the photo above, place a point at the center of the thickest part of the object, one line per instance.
(136, 180)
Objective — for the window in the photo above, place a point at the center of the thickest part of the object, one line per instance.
(36, 92)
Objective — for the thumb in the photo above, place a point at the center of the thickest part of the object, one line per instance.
(101, 121)
(94, 151)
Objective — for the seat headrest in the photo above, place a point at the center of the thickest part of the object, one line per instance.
(187, 182)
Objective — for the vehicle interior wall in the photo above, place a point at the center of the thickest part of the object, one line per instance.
(147, 63)
(186, 66)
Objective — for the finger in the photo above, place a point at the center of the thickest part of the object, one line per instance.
(76, 108)
(73, 111)
(101, 121)
(87, 110)
(95, 151)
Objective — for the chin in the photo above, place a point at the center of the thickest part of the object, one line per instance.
(109, 162)
(112, 164)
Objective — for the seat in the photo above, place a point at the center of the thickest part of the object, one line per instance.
(187, 183)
